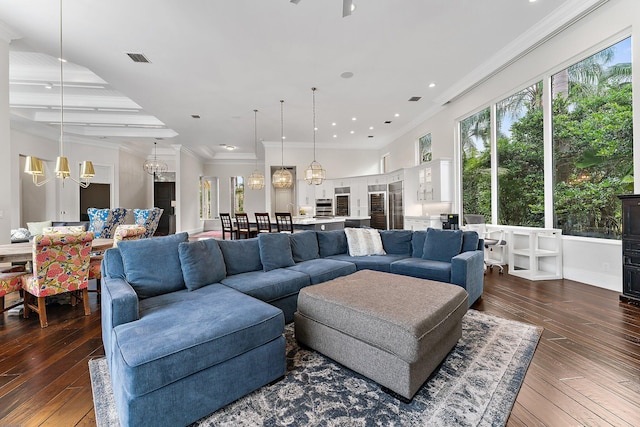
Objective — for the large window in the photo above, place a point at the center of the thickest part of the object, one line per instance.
(592, 149)
(592, 142)
(520, 143)
(475, 138)
(237, 194)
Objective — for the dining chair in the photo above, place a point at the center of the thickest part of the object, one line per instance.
(227, 226)
(263, 222)
(123, 232)
(11, 281)
(244, 228)
(60, 265)
(284, 222)
(149, 219)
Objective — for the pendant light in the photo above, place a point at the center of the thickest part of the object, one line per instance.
(35, 167)
(155, 166)
(282, 178)
(256, 179)
(314, 174)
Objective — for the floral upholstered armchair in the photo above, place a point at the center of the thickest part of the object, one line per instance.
(149, 219)
(60, 264)
(103, 222)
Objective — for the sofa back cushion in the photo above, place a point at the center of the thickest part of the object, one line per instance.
(202, 263)
(470, 241)
(332, 242)
(397, 242)
(152, 266)
(304, 246)
(417, 243)
(364, 241)
(241, 256)
(275, 251)
(442, 245)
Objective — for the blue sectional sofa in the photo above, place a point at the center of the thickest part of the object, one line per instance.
(193, 326)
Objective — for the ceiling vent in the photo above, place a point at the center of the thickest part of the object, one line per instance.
(387, 122)
(415, 98)
(138, 57)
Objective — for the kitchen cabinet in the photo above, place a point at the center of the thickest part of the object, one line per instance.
(306, 193)
(435, 181)
(415, 223)
(325, 190)
(395, 176)
(630, 248)
(359, 200)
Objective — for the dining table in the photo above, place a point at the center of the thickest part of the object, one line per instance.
(14, 252)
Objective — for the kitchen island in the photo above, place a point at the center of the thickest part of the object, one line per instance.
(318, 224)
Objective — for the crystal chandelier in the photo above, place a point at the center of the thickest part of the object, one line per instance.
(282, 178)
(155, 166)
(314, 174)
(36, 167)
(256, 179)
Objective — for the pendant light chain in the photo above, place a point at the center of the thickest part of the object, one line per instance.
(255, 134)
(61, 59)
(282, 132)
(313, 93)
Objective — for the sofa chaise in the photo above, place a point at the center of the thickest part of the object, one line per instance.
(193, 326)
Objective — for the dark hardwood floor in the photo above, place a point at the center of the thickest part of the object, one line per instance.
(586, 369)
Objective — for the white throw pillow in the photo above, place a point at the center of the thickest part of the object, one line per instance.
(36, 228)
(364, 241)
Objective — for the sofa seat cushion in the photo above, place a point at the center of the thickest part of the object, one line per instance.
(322, 269)
(371, 262)
(423, 269)
(188, 332)
(268, 285)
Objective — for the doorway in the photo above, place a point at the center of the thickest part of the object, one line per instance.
(163, 194)
(94, 196)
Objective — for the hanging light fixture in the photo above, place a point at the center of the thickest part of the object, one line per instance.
(314, 174)
(155, 166)
(282, 178)
(35, 167)
(256, 179)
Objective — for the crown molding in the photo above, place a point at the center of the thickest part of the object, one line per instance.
(7, 34)
(320, 146)
(563, 17)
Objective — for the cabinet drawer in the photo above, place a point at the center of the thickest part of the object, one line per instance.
(631, 246)
(631, 281)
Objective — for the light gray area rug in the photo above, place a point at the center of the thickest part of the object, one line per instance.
(476, 385)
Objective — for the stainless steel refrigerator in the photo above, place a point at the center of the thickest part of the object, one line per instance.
(396, 209)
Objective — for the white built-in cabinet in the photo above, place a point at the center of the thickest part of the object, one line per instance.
(306, 193)
(359, 199)
(325, 190)
(535, 253)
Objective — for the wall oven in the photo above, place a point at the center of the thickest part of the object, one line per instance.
(324, 207)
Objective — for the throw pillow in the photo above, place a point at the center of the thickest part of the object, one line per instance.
(152, 266)
(442, 245)
(275, 251)
(333, 242)
(417, 243)
(37, 228)
(304, 246)
(396, 241)
(202, 263)
(241, 256)
(364, 241)
(19, 235)
(470, 240)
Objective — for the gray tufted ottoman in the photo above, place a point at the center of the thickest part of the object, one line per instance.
(390, 328)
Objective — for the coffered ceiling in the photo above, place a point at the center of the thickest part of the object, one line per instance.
(220, 60)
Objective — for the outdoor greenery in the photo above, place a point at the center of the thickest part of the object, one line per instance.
(592, 151)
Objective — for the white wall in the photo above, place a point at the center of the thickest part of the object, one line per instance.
(584, 259)
(188, 172)
(6, 164)
(134, 182)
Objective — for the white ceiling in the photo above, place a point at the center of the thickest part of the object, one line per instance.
(223, 59)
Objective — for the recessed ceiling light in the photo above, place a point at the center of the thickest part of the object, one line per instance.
(370, 127)
(346, 75)
(354, 119)
(62, 60)
(397, 115)
(48, 86)
(432, 85)
(333, 124)
(352, 132)
(315, 128)
(228, 147)
(335, 136)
